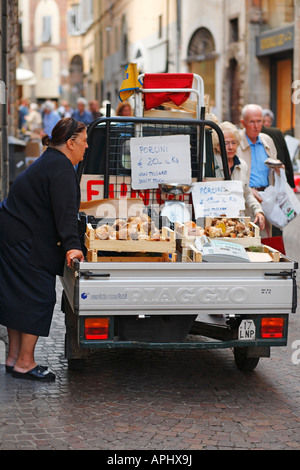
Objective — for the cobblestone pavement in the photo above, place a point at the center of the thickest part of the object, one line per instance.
(154, 400)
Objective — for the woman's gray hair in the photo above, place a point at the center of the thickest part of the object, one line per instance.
(268, 112)
(225, 126)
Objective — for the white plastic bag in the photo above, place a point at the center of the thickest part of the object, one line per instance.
(280, 204)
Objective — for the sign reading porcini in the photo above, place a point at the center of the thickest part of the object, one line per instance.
(157, 160)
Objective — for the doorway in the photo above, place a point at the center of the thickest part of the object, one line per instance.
(281, 93)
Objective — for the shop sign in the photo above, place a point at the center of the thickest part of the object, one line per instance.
(275, 41)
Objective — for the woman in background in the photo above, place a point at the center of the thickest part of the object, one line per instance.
(124, 109)
(237, 168)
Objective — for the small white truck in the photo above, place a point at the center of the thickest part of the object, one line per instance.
(147, 293)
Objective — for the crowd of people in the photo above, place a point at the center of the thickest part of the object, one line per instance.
(247, 149)
(41, 119)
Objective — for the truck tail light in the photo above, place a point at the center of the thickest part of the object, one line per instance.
(96, 328)
(272, 327)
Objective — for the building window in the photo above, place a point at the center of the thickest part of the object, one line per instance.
(86, 13)
(46, 32)
(74, 26)
(234, 30)
(117, 41)
(202, 57)
(47, 68)
(124, 42)
(108, 37)
(160, 27)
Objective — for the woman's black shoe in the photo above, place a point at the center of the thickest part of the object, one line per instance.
(38, 373)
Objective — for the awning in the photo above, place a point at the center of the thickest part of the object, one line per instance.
(25, 77)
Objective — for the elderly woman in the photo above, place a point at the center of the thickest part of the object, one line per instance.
(38, 232)
(268, 117)
(237, 168)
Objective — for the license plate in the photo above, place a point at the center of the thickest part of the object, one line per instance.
(247, 330)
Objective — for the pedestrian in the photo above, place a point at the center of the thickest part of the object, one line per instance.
(34, 120)
(268, 117)
(283, 153)
(103, 109)
(94, 109)
(124, 109)
(284, 156)
(255, 147)
(38, 233)
(22, 112)
(65, 109)
(50, 117)
(237, 168)
(81, 113)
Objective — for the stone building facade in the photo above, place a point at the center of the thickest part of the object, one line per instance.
(9, 53)
(246, 51)
(44, 38)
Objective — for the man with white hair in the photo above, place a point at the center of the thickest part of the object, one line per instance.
(255, 148)
(81, 113)
(50, 117)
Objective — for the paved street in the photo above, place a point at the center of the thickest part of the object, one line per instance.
(145, 400)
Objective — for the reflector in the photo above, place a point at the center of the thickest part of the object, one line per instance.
(272, 327)
(96, 328)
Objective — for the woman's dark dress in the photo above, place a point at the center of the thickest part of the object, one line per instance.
(38, 225)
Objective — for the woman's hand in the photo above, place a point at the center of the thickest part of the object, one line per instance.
(71, 254)
(260, 220)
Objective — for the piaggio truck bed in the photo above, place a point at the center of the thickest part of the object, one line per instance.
(244, 306)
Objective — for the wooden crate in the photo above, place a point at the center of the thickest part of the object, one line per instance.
(190, 254)
(182, 235)
(92, 256)
(166, 245)
(268, 255)
(245, 241)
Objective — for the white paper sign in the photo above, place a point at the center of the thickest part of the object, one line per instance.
(216, 198)
(155, 160)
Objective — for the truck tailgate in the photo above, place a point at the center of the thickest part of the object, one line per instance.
(181, 288)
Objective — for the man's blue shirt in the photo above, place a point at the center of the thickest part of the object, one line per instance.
(49, 121)
(259, 176)
(86, 117)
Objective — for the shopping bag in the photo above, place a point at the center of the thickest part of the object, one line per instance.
(279, 202)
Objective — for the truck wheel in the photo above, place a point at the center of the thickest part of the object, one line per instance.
(243, 362)
(76, 365)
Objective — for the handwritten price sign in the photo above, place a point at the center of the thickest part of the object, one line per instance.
(216, 198)
(156, 160)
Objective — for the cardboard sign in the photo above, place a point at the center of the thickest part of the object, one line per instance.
(156, 160)
(217, 198)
